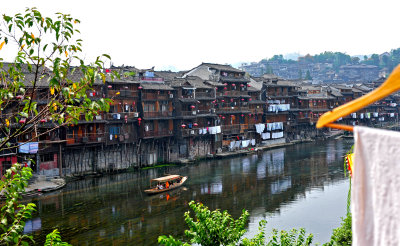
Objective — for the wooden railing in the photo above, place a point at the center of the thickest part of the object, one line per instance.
(232, 129)
(188, 113)
(160, 133)
(232, 109)
(122, 93)
(85, 138)
(155, 96)
(120, 115)
(205, 95)
(157, 114)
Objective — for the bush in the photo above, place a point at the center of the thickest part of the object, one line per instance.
(342, 235)
(219, 228)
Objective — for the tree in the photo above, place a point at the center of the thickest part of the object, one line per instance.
(42, 69)
(355, 60)
(308, 75)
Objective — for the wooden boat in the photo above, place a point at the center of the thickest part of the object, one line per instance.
(174, 181)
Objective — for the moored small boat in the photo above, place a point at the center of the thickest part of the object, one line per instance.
(166, 183)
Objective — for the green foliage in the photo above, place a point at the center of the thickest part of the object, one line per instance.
(13, 214)
(342, 235)
(210, 227)
(282, 238)
(170, 241)
(259, 238)
(219, 228)
(214, 227)
(46, 50)
(293, 237)
(46, 67)
(54, 239)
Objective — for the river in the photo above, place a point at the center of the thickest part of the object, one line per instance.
(296, 186)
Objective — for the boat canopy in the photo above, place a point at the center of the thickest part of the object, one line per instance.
(166, 178)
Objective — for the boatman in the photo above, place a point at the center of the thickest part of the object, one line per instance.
(167, 185)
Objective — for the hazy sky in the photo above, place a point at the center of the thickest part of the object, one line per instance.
(180, 34)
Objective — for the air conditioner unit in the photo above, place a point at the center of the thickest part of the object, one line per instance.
(194, 112)
(98, 117)
(192, 132)
(99, 139)
(171, 95)
(136, 114)
(213, 110)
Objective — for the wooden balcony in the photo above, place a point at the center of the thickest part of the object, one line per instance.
(123, 93)
(189, 132)
(120, 115)
(233, 109)
(155, 96)
(160, 133)
(205, 95)
(231, 129)
(87, 138)
(189, 113)
(157, 114)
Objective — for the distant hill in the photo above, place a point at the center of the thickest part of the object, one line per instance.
(327, 66)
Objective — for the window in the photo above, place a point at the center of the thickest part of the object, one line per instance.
(114, 130)
(46, 157)
(149, 126)
(149, 107)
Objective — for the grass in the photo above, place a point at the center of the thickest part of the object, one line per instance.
(157, 166)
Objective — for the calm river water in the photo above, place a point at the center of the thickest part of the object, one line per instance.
(297, 186)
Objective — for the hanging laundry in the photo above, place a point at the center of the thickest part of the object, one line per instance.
(368, 116)
(245, 143)
(253, 142)
(237, 144)
(266, 135)
(354, 115)
(375, 192)
(232, 145)
(375, 114)
(269, 126)
(391, 114)
(362, 116)
(218, 129)
(260, 128)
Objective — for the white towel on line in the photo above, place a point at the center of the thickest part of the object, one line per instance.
(375, 193)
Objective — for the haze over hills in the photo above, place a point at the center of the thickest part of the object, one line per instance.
(327, 66)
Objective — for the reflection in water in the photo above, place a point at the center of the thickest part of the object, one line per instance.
(32, 225)
(281, 185)
(114, 209)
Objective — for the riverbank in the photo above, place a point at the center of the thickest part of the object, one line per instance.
(40, 184)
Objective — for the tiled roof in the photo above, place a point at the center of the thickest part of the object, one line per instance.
(156, 86)
(227, 68)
